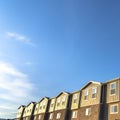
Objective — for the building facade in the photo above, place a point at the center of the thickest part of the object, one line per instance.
(75, 105)
(51, 109)
(91, 101)
(40, 112)
(20, 112)
(62, 105)
(113, 99)
(28, 111)
(94, 101)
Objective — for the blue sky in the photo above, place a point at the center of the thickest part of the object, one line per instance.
(49, 46)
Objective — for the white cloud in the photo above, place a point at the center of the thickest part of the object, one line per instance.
(14, 86)
(18, 37)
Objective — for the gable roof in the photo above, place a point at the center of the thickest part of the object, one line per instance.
(115, 79)
(63, 92)
(21, 106)
(43, 98)
(91, 82)
(30, 103)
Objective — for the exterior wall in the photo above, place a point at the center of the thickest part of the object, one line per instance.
(75, 105)
(36, 109)
(94, 113)
(90, 100)
(43, 106)
(115, 97)
(60, 98)
(28, 112)
(28, 118)
(25, 112)
(114, 116)
(52, 104)
(64, 114)
(42, 116)
(48, 116)
(71, 115)
(20, 112)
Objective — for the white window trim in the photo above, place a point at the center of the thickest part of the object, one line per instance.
(51, 116)
(87, 91)
(95, 92)
(74, 114)
(87, 112)
(58, 116)
(110, 88)
(113, 106)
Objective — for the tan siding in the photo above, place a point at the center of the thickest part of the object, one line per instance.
(43, 106)
(25, 111)
(61, 100)
(90, 100)
(52, 104)
(36, 109)
(20, 111)
(76, 104)
(116, 97)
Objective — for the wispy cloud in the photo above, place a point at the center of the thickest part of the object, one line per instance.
(14, 86)
(19, 37)
(28, 63)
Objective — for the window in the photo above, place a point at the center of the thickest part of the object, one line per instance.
(36, 108)
(58, 115)
(112, 88)
(51, 116)
(63, 100)
(74, 114)
(114, 109)
(58, 101)
(40, 106)
(35, 118)
(75, 98)
(52, 103)
(94, 92)
(88, 111)
(39, 117)
(86, 95)
(44, 104)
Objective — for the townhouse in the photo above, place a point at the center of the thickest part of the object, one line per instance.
(51, 109)
(75, 106)
(62, 106)
(28, 111)
(20, 112)
(40, 112)
(90, 104)
(94, 101)
(113, 99)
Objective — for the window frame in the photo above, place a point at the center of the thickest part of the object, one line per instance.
(88, 112)
(86, 94)
(113, 112)
(58, 115)
(94, 93)
(112, 89)
(74, 114)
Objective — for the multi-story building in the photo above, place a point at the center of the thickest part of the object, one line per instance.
(75, 105)
(90, 104)
(62, 106)
(40, 112)
(113, 99)
(20, 112)
(28, 111)
(95, 101)
(51, 109)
